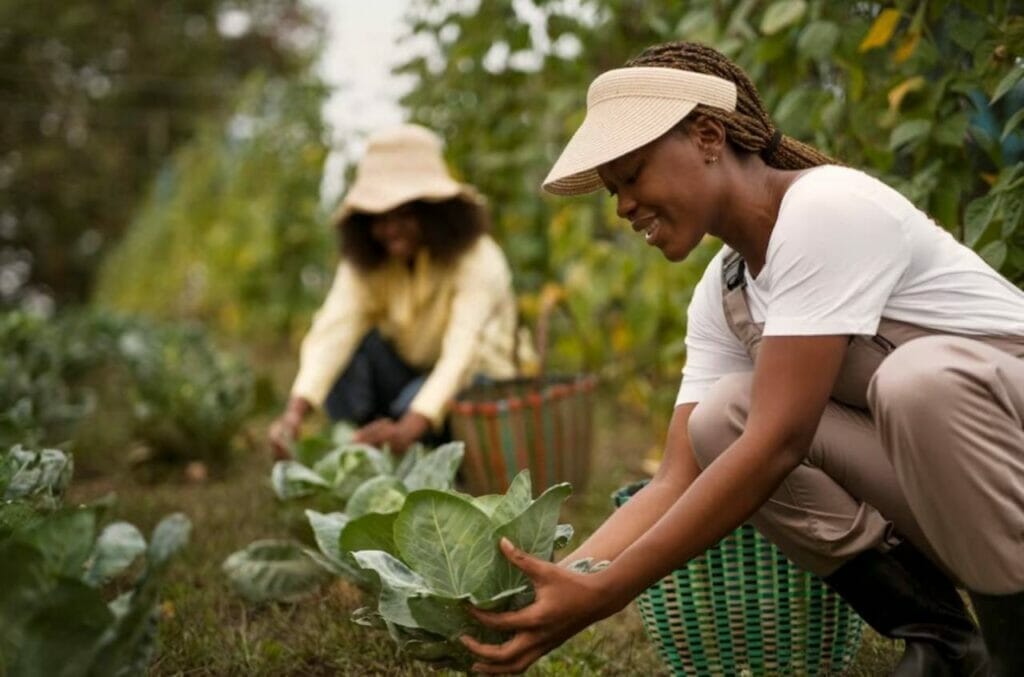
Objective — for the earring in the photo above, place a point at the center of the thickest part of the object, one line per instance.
(711, 160)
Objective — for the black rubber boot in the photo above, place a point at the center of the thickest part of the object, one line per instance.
(1002, 624)
(902, 595)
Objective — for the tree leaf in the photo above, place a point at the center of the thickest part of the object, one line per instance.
(980, 213)
(436, 469)
(383, 494)
(782, 14)
(907, 47)
(953, 130)
(900, 91)
(909, 132)
(1012, 124)
(818, 40)
(447, 540)
(273, 570)
(1008, 82)
(881, 30)
(994, 254)
(116, 548)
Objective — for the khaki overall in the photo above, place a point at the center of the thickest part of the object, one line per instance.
(923, 439)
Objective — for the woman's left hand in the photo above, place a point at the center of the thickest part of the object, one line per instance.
(565, 602)
(398, 435)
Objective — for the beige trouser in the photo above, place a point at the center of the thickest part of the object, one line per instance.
(923, 439)
(939, 459)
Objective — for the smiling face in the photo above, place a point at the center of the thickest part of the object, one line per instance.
(666, 189)
(398, 231)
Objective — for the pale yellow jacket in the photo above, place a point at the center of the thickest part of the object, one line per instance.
(456, 321)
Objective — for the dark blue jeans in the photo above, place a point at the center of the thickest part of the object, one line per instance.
(377, 383)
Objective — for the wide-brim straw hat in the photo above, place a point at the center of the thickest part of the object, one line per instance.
(628, 108)
(401, 164)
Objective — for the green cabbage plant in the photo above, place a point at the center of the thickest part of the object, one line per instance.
(58, 568)
(348, 482)
(440, 553)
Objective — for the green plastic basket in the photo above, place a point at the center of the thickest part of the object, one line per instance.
(744, 609)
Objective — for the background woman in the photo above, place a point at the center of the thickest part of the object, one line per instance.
(854, 384)
(421, 303)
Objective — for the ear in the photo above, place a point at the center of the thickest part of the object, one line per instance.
(709, 135)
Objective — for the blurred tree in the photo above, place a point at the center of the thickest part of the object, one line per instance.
(232, 232)
(926, 94)
(95, 96)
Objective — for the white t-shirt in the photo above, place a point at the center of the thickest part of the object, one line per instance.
(846, 251)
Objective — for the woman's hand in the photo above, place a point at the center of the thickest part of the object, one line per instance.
(285, 428)
(398, 435)
(565, 602)
(282, 433)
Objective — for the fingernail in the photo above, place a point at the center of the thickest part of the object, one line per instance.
(507, 543)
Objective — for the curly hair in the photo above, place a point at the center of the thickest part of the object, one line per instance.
(447, 228)
(749, 128)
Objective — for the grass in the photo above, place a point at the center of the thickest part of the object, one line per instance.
(206, 630)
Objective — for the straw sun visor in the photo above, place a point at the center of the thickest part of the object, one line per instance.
(628, 108)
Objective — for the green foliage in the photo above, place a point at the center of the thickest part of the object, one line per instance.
(187, 399)
(273, 570)
(96, 94)
(231, 233)
(362, 487)
(38, 478)
(36, 398)
(57, 567)
(926, 95)
(444, 554)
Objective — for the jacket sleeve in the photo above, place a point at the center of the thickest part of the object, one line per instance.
(337, 329)
(483, 281)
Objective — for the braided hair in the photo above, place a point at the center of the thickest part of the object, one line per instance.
(749, 127)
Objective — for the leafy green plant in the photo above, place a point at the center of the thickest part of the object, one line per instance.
(37, 401)
(189, 400)
(58, 569)
(53, 607)
(350, 483)
(440, 552)
(185, 399)
(38, 478)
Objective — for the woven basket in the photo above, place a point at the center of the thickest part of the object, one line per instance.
(744, 609)
(542, 424)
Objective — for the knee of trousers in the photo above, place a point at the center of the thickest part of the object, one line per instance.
(719, 417)
(916, 376)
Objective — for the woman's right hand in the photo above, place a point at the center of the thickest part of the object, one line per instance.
(282, 433)
(285, 428)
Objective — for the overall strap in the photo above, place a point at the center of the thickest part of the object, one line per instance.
(734, 302)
